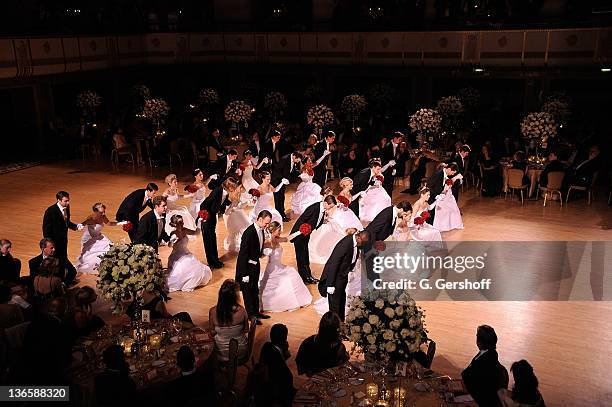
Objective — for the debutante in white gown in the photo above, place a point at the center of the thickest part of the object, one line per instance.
(373, 202)
(236, 221)
(425, 233)
(324, 239)
(174, 209)
(248, 182)
(93, 245)
(306, 194)
(448, 215)
(281, 286)
(197, 198)
(185, 271)
(353, 288)
(266, 201)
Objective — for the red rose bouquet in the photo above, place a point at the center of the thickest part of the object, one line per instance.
(449, 182)
(380, 178)
(192, 189)
(254, 192)
(425, 215)
(419, 221)
(305, 229)
(128, 226)
(310, 172)
(203, 214)
(344, 200)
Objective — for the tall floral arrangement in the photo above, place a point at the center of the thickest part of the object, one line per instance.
(88, 100)
(559, 109)
(426, 124)
(320, 116)
(209, 97)
(450, 106)
(155, 109)
(539, 126)
(275, 103)
(126, 270)
(238, 111)
(353, 105)
(386, 324)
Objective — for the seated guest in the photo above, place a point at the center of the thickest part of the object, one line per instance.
(114, 386)
(194, 386)
(518, 161)
(323, 350)
(10, 314)
(485, 375)
(84, 323)
(525, 391)
(47, 248)
(274, 355)
(491, 177)
(228, 320)
(349, 165)
(553, 165)
(10, 267)
(48, 283)
(155, 304)
(583, 173)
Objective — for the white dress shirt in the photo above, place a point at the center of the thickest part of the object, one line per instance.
(62, 210)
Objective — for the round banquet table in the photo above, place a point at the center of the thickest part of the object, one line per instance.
(533, 173)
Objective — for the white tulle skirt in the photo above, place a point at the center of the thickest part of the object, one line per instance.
(324, 239)
(236, 221)
(372, 203)
(306, 194)
(282, 289)
(448, 215)
(91, 251)
(186, 273)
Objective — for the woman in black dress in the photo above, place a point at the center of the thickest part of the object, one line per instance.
(491, 179)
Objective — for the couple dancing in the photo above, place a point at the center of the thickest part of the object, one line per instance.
(280, 286)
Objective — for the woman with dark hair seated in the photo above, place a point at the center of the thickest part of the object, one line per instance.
(156, 305)
(83, 322)
(229, 320)
(525, 392)
(323, 350)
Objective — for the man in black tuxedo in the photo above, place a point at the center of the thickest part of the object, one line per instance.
(390, 155)
(255, 145)
(274, 355)
(314, 215)
(485, 375)
(47, 249)
(114, 386)
(381, 227)
(362, 181)
(460, 158)
(151, 228)
(287, 168)
(436, 184)
(247, 263)
(554, 165)
(195, 384)
(321, 150)
(56, 223)
(215, 204)
(272, 150)
(223, 168)
(133, 204)
(335, 272)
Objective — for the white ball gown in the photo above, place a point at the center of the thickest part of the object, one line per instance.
(93, 245)
(174, 209)
(248, 182)
(324, 239)
(448, 215)
(281, 286)
(266, 201)
(425, 233)
(353, 288)
(236, 221)
(373, 201)
(306, 194)
(197, 198)
(185, 271)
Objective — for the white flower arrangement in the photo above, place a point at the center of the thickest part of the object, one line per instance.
(559, 109)
(88, 99)
(353, 104)
(539, 126)
(209, 96)
(238, 111)
(381, 94)
(450, 107)
(386, 324)
(142, 91)
(155, 109)
(126, 270)
(320, 116)
(469, 97)
(425, 122)
(275, 102)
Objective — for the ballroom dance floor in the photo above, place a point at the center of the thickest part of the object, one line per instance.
(568, 343)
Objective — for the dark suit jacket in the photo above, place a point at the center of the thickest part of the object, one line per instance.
(360, 183)
(34, 264)
(436, 185)
(247, 263)
(56, 228)
(273, 156)
(311, 216)
(339, 264)
(280, 378)
(254, 150)
(381, 226)
(320, 170)
(482, 379)
(282, 169)
(212, 141)
(186, 390)
(114, 389)
(456, 158)
(213, 202)
(131, 207)
(219, 167)
(148, 230)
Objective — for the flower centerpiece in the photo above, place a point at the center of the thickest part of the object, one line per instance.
(88, 100)
(209, 97)
(386, 324)
(559, 109)
(426, 124)
(275, 103)
(155, 109)
(126, 270)
(353, 105)
(320, 116)
(539, 127)
(238, 111)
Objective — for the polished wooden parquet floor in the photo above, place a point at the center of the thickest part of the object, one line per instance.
(568, 343)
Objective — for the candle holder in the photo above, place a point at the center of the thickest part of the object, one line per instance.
(399, 396)
(372, 391)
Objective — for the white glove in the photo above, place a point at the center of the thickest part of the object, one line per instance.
(80, 226)
(285, 181)
(245, 279)
(458, 176)
(392, 163)
(326, 152)
(267, 251)
(265, 160)
(214, 176)
(439, 197)
(239, 172)
(174, 239)
(123, 222)
(331, 290)
(393, 172)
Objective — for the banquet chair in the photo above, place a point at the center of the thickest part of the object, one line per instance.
(121, 148)
(250, 344)
(588, 189)
(515, 181)
(225, 376)
(555, 180)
